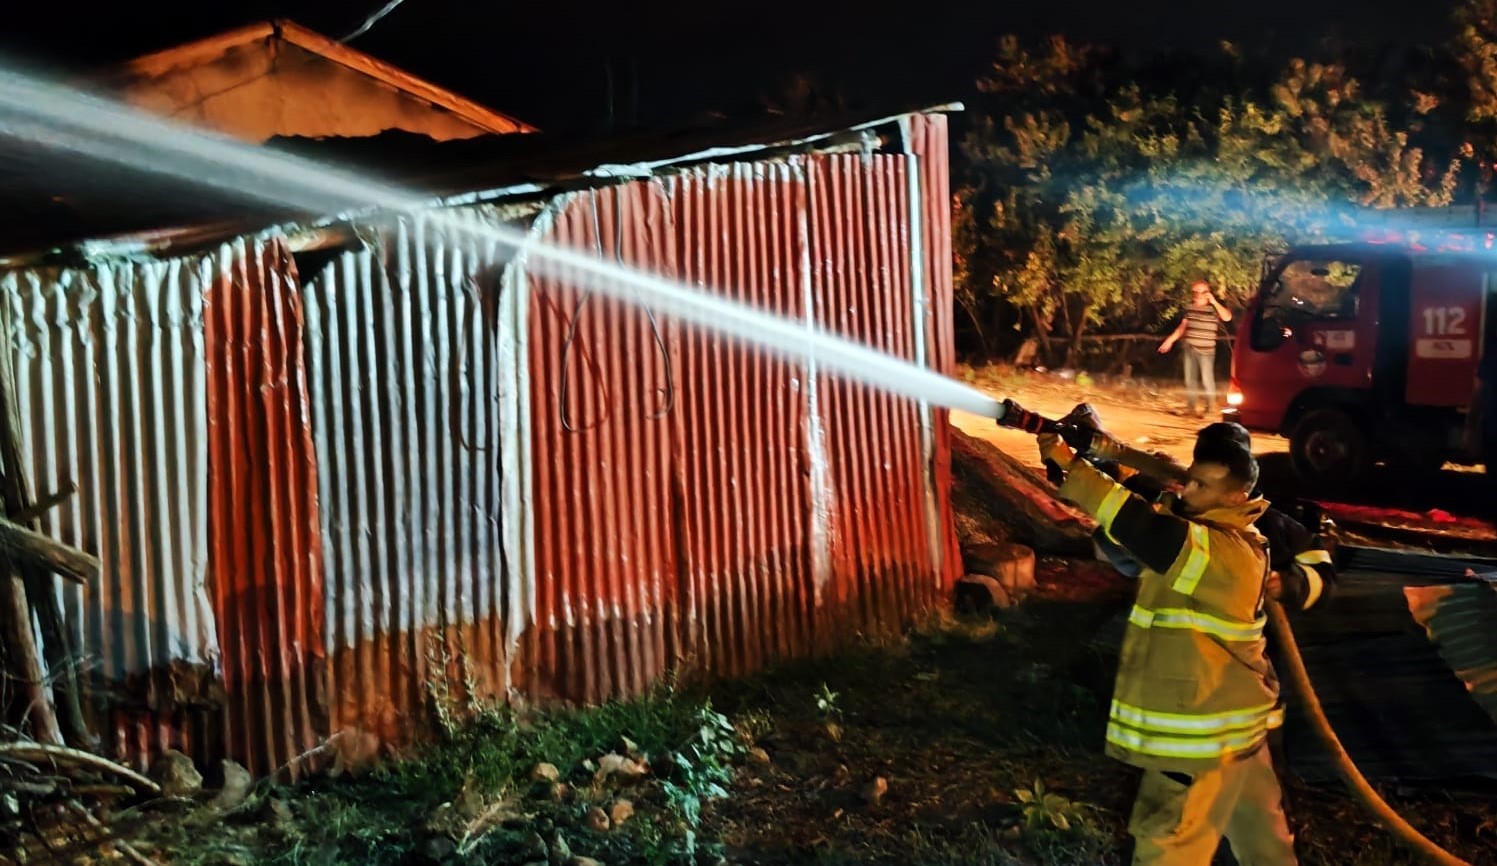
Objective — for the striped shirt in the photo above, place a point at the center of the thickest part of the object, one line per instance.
(1201, 328)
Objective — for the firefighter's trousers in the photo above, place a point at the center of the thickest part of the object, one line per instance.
(1179, 820)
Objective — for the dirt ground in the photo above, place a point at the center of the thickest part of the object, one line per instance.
(1449, 510)
(958, 727)
(970, 742)
(1144, 414)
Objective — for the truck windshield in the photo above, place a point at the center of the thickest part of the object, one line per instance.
(1319, 288)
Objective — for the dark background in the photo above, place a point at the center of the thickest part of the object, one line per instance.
(548, 62)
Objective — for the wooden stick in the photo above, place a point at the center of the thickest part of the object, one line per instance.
(125, 848)
(58, 646)
(23, 662)
(44, 751)
(28, 548)
(101, 790)
(25, 786)
(45, 504)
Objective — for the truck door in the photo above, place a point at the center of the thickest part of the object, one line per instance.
(1318, 316)
(1445, 325)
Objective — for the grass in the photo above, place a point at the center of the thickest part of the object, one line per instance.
(986, 733)
(396, 814)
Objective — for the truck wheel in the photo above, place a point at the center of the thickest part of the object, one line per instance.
(1327, 447)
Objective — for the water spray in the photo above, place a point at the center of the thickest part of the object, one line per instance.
(107, 131)
(103, 130)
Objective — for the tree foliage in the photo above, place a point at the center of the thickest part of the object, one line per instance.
(1096, 189)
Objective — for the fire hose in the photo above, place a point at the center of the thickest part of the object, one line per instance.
(1081, 438)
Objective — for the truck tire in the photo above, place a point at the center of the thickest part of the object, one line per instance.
(1328, 448)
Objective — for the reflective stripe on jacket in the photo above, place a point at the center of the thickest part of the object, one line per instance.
(1194, 687)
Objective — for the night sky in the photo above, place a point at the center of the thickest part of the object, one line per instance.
(546, 61)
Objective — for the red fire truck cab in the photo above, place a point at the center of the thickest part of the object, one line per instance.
(1366, 352)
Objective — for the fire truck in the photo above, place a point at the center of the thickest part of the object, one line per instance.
(1366, 352)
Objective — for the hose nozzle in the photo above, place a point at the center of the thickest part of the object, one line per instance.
(1078, 436)
(1016, 416)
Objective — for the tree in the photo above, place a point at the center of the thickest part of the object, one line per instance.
(1474, 55)
(1096, 189)
(1475, 51)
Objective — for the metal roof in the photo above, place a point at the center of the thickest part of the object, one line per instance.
(268, 33)
(54, 201)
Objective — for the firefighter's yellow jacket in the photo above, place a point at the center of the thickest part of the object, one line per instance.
(1194, 688)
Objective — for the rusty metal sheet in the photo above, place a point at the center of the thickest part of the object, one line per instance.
(746, 471)
(1398, 710)
(264, 537)
(602, 394)
(401, 372)
(699, 502)
(926, 141)
(1461, 621)
(452, 481)
(110, 370)
(1392, 699)
(861, 249)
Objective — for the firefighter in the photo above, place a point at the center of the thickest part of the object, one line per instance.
(1195, 695)
(1301, 573)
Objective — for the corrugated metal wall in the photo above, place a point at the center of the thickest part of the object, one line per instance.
(264, 535)
(600, 431)
(110, 370)
(748, 467)
(518, 489)
(704, 504)
(402, 366)
(926, 141)
(863, 268)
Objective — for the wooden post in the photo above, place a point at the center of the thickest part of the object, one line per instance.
(41, 587)
(23, 669)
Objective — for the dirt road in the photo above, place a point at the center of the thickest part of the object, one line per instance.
(1445, 510)
(1144, 415)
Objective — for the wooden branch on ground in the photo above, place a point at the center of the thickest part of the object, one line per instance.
(125, 848)
(77, 758)
(28, 548)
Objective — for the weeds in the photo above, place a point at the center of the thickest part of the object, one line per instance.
(1043, 809)
(829, 712)
(1059, 830)
(458, 788)
(960, 722)
(703, 771)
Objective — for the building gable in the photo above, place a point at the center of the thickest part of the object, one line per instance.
(280, 79)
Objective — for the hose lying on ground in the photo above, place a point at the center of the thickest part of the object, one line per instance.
(1295, 668)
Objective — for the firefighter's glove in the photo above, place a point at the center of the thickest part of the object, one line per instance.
(1104, 447)
(1055, 450)
(1079, 438)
